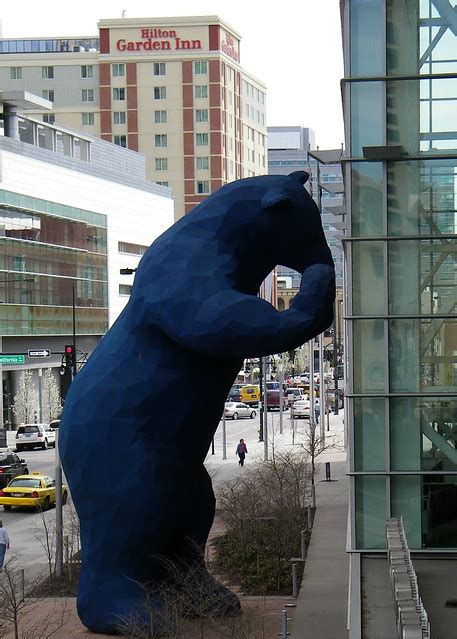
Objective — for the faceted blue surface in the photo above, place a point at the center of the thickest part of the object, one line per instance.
(137, 423)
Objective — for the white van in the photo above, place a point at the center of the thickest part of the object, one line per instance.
(34, 435)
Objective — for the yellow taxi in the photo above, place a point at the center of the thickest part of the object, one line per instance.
(250, 394)
(35, 490)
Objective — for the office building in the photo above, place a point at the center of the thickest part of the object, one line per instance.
(171, 88)
(400, 102)
(74, 210)
(288, 151)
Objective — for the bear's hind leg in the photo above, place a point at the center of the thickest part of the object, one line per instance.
(205, 596)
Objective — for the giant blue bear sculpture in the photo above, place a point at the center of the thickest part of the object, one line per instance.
(136, 427)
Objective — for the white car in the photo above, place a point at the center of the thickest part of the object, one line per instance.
(236, 410)
(300, 408)
(34, 435)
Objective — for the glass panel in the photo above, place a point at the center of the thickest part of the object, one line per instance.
(439, 516)
(366, 18)
(368, 278)
(405, 494)
(366, 199)
(368, 356)
(421, 114)
(423, 276)
(427, 350)
(437, 43)
(370, 511)
(367, 126)
(423, 433)
(422, 197)
(369, 438)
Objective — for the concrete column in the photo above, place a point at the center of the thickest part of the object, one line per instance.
(11, 122)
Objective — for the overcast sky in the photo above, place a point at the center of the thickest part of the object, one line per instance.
(293, 47)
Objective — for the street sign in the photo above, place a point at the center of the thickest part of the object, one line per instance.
(39, 352)
(12, 359)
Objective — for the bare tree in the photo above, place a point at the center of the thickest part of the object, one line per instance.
(17, 609)
(25, 403)
(45, 532)
(52, 402)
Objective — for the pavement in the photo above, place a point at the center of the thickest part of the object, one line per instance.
(320, 611)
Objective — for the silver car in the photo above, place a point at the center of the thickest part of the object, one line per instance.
(237, 410)
(300, 408)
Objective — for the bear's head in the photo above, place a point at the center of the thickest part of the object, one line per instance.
(274, 215)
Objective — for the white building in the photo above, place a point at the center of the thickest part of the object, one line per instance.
(74, 210)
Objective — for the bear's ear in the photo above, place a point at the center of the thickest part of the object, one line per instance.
(301, 176)
(275, 199)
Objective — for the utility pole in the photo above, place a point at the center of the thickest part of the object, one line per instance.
(261, 399)
(336, 344)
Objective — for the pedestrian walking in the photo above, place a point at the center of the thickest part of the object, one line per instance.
(317, 409)
(4, 543)
(241, 451)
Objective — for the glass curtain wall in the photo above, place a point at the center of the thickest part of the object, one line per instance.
(401, 89)
(48, 253)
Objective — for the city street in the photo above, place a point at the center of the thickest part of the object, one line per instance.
(25, 527)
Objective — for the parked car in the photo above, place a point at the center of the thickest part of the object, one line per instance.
(34, 435)
(34, 490)
(237, 410)
(11, 466)
(300, 408)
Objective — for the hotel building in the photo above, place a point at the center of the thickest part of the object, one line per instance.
(171, 88)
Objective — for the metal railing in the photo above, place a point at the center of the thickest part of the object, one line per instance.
(411, 616)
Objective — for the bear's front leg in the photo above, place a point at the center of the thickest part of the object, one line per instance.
(230, 322)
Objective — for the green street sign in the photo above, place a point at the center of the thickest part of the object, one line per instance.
(12, 359)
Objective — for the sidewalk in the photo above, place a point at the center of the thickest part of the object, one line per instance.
(322, 603)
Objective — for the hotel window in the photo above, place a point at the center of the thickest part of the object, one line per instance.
(201, 139)
(118, 93)
(201, 90)
(202, 163)
(202, 187)
(16, 73)
(50, 118)
(200, 68)
(160, 140)
(47, 73)
(120, 140)
(160, 117)
(131, 249)
(48, 94)
(125, 289)
(119, 117)
(118, 70)
(201, 115)
(88, 119)
(87, 71)
(87, 95)
(162, 183)
(160, 93)
(161, 164)
(159, 68)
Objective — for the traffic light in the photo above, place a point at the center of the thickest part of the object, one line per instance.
(69, 356)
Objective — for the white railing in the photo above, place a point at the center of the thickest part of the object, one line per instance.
(412, 618)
